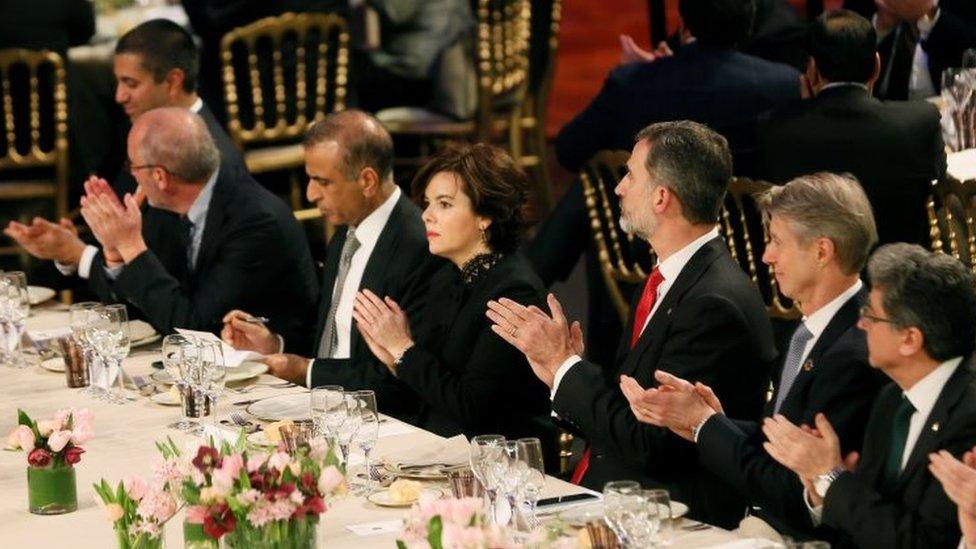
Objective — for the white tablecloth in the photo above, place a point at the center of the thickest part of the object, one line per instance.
(123, 446)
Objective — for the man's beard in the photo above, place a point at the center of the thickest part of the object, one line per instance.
(632, 229)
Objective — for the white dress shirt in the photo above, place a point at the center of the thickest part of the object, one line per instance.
(923, 396)
(670, 268)
(367, 233)
(817, 322)
(920, 85)
(88, 254)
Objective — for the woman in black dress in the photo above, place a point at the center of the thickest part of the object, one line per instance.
(467, 378)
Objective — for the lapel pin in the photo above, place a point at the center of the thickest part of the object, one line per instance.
(935, 427)
(808, 365)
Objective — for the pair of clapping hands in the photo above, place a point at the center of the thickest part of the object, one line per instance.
(382, 323)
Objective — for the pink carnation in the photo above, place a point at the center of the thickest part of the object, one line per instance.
(157, 505)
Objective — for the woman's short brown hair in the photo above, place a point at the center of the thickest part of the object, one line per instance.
(497, 187)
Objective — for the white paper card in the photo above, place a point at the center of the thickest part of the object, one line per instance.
(375, 528)
(50, 333)
(232, 357)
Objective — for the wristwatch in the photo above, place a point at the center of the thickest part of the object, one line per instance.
(822, 483)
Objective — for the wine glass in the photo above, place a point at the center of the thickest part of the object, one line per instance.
(110, 336)
(484, 451)
(368, 431)
(177, 351)
(503, 471)
(350, 424)
(659, 515)
(957, 93)
(81, 315)
(325, 404)
(15, 302)
(618, 500)
(213, 373)
(532, 475)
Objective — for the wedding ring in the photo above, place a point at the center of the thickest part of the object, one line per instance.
(514, 331)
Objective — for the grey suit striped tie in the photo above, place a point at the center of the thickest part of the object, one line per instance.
(791, 366)
(330, 338)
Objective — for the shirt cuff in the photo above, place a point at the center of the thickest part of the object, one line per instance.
(816, 513)
(701, 426)
(560, 372)
(83, 268)
(308, 369)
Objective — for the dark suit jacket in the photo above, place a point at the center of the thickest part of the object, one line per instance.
(399, 267)
(953, 33)
(253, 256)
(839, 382)
(467, 378)
(895, 150)
(46, 24)
(725, 89)
(915, 511)
(711, 327)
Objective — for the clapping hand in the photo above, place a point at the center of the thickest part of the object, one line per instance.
(545, 341)
(383, 325)
(630, 52)
(117, 225)
(46, 240)
(676, 403)
(958, 479)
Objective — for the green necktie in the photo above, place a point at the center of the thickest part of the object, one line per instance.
(899, 435)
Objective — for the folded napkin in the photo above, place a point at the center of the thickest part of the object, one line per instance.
(453, 451)
(232, 357)
(756, 528)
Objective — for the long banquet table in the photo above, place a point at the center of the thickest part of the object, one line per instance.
(124, 445)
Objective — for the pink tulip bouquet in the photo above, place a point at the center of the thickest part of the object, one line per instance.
(52, 442)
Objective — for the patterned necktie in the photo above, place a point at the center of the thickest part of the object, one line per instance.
(899, 435)
(330, 338)
(791, 366)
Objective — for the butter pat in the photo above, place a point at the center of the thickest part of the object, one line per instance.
(404, 491)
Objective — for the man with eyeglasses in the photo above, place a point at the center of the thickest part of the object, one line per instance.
(919, 321)
(239, 245)
(821, 230)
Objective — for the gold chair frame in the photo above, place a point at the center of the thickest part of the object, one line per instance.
(271, 147)
(36, 157)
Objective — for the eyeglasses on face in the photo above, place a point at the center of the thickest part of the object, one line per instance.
(865, 313)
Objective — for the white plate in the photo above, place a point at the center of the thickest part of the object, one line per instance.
(246, 370)
(39, 294)
(580, 514)
(293, 407)
(165, 399)
(383, 499)
(55, 364)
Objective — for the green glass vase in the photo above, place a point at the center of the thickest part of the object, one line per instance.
(52, 490)
(194, 538)
(279, 534)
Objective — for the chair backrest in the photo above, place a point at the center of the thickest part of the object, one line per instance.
(624, 259)
(951, 218)
(745, 235)
(35, 115)
(502, 59)
(543, 46)
(282, 73)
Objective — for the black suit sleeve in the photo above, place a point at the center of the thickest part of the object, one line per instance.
(80, 22)
(953, 33)
(705, 340)
(241, 266)
(589, 131)
(469, 395)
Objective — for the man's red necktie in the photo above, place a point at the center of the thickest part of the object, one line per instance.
(644, 308)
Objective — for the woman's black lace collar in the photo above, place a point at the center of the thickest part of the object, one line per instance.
(478, 265)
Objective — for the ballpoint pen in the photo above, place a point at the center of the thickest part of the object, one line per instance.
(256, 319)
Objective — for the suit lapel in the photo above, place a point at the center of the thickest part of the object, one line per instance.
(845, 317)
(657, 326)
(929, 439)
(216, 216)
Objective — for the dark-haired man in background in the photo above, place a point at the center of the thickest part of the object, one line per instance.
(894, 149)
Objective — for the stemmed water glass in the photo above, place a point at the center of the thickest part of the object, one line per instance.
(110, 337)
(531, 474)
(82, 315)
(350, 424)
(620, 500)
(178, 351)
(659, 516)
(14, 308)
(213, 373)
(958, 86)
(328, 410)
(368, 431)
(485, 450)
(504, 474)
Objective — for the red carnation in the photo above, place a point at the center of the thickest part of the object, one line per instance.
(308, 481)
(219, 521)
(73, 454)
(207, 459)
(39, 457)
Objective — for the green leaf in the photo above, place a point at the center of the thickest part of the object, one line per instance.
(435, 529)
(401, 545)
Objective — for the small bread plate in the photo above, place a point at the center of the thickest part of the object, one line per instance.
(55, 364)
(165, 398)
(383, 499)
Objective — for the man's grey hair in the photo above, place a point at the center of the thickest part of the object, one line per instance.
(830, 206)
(694, 162)
(930, 291)
(179, 141)
(363, 141)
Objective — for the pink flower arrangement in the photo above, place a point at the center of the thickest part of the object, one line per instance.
(138, 510)
(451, 524)
(55, 442)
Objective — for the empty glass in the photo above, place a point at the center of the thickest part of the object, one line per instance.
(485, 450)
(328, 410)
(176, 351)
(213, 373)
(350, 424)
(14, 308)
(82, 315)
(619, 500)
(659, 514)
(110, 337)
(532, 475)
(368, 432)
(958, 86)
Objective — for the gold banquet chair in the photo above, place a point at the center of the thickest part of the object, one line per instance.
(745, 234)
(624, 259)
(34, 143)
(951, 210)
(502, 69)
(281, 74)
